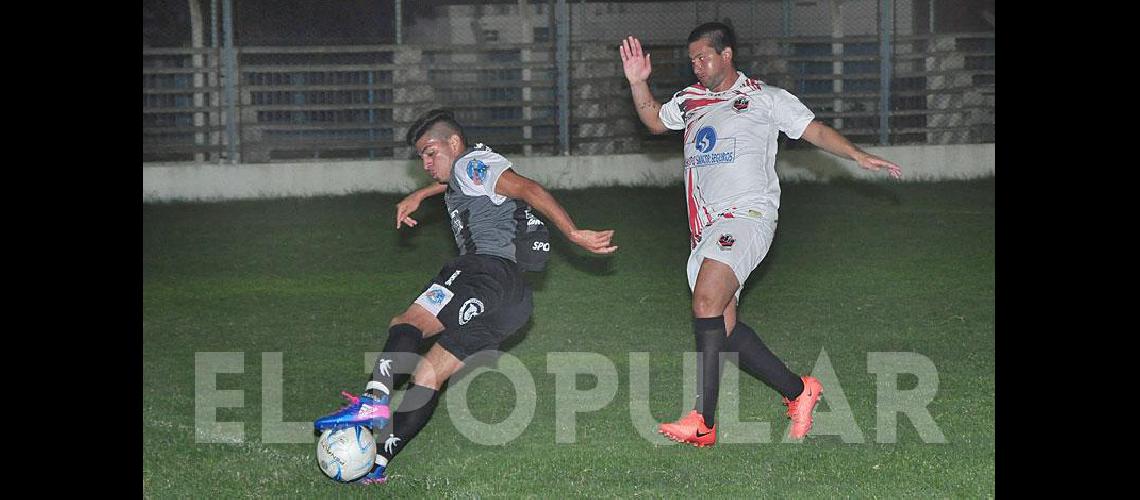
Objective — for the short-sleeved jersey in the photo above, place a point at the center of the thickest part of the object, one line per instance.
(730, 147)
(487, 223)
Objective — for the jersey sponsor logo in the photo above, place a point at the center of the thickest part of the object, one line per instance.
(473, 307)
(477, 171)
(541, 245)
(435, 298)
(706, 139)
(726, 241)
(711, 149)
(740, 105)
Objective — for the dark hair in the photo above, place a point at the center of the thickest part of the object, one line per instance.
(720, 35)
(428, 120)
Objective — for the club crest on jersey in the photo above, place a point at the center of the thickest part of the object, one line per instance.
(726, 241)
(740, 105)
(477, 171)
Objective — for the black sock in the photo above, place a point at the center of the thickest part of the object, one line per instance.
(399, 358)
(710, 343)
(415, 411)
(756, 359)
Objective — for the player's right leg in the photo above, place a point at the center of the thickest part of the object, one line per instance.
(716, 285)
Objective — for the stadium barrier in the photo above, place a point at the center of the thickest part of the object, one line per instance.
(218, 182)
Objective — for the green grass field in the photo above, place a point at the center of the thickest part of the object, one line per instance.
(856, 268)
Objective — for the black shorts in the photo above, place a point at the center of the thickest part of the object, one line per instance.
(480, 299)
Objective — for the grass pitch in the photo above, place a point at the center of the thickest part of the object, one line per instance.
(300, 290)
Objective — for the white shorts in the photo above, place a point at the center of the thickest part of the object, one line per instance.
(739, 242)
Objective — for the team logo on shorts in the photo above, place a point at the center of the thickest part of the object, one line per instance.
(726, 241)
(435, 298)
(473, 307)
(477, 171)
(740, 104)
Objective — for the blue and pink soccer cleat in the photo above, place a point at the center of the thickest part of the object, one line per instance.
(361, 410)
(375, 476)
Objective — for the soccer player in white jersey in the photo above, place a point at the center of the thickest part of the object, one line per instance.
(731, 124)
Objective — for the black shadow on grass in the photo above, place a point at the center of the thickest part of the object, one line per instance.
(517, 337)
(430, 214)
(835, 173)
(537, 281)
(756, 279)
(597, 265)
(868, 189)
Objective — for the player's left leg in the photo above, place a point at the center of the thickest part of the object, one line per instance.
(748, 244)
(491, 301)
(800, 394)
(458, 342)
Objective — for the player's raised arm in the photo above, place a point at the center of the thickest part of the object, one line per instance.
(411, 203)
(637, 67)
(516, 186)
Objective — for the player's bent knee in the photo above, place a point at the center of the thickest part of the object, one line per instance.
(419, 318)
(707, 306)
(438, 366)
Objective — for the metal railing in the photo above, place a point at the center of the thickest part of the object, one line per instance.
(324, 102)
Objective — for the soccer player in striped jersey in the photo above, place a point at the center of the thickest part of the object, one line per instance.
(731, 124)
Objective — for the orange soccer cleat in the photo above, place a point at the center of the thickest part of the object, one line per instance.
(799, 410)
(690, 429)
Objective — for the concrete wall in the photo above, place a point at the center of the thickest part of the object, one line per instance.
(199, 181)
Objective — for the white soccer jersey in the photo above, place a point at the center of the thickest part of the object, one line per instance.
(730, 147)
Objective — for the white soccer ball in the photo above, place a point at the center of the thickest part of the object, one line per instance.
(346, 454)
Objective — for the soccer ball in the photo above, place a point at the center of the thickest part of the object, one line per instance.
(346, 454)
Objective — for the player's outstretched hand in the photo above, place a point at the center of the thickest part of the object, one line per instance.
(594, 241)
(872, 162)
(636, 65)
(404, 208)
